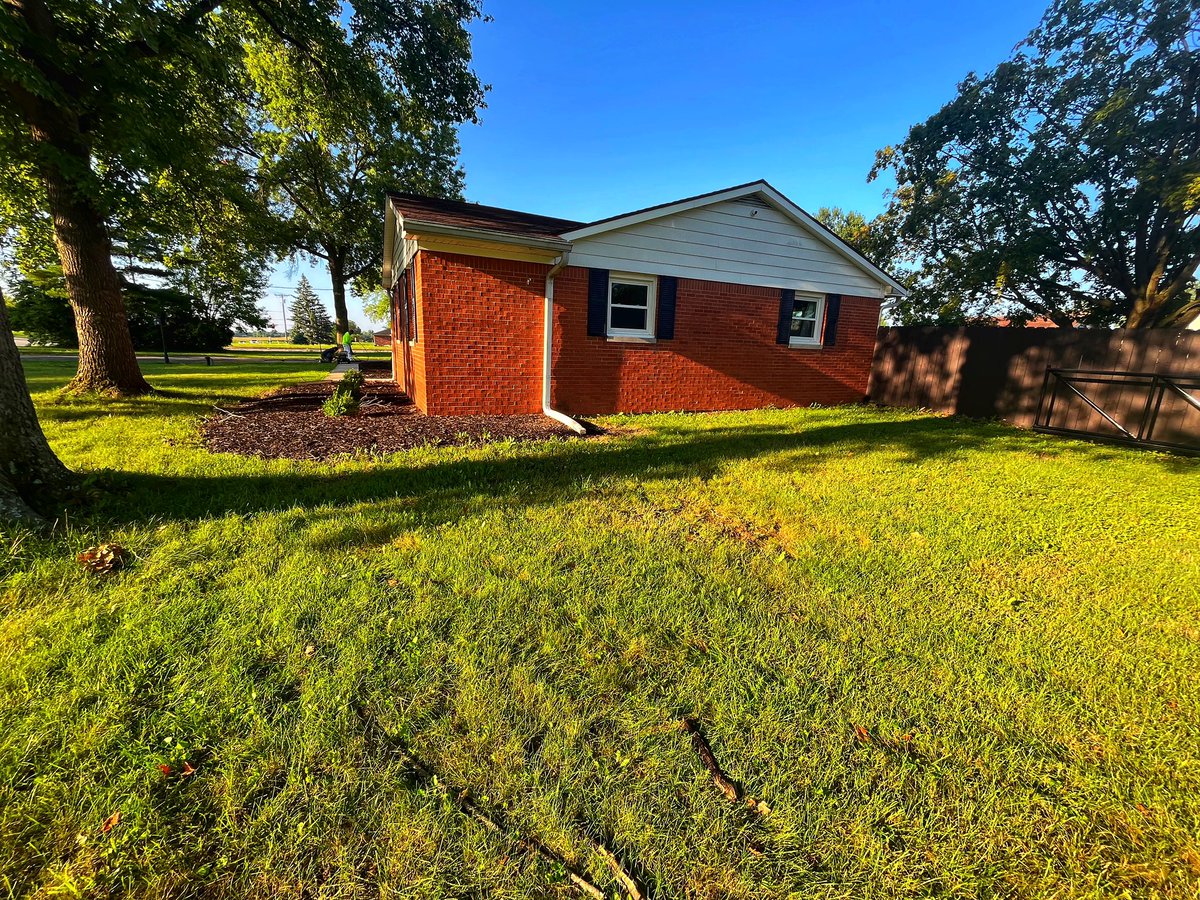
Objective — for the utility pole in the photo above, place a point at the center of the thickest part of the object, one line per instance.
(162, 332)
(283, 306)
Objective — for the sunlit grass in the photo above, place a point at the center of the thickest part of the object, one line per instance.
(1012, 620)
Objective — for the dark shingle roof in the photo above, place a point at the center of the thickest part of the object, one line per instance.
(459, 214)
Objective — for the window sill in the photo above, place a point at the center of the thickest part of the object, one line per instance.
(630, 339)
(805, 345)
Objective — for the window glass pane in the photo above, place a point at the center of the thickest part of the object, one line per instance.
(803, 328)
(804, 319)
(629, 294)
(804, 309)
(626, 318)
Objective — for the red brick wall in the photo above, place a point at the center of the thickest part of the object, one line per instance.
(408, 360)
(723, 356)
(480, 347)
(481, 332)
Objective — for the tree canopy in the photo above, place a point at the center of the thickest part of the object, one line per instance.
(1066, 182)
(325, 158)
(112, 108)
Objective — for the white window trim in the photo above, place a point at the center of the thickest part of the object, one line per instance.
(651, 284)
(818, 325)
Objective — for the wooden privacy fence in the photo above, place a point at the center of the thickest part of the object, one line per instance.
(988, 371)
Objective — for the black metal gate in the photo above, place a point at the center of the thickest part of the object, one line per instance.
(1143, 409)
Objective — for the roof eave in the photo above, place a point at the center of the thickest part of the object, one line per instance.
(389, 229)
(418, 227)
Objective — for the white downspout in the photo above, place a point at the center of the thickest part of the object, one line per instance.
(547, 355)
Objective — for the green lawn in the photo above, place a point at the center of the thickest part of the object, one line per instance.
(274, 350)
(1011, 622)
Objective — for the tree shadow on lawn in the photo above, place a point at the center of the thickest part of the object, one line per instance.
(555, 472)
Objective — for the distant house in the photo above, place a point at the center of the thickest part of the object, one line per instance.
(382, 338)
(730, 300)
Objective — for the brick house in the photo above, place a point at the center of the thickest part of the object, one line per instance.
(730, 300)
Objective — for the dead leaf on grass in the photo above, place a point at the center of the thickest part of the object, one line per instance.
(103, 558)
(759, 806)
(1192, 858)
(111, 822)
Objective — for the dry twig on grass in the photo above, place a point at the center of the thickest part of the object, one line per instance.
(631, 887)
(468, 807)
(704, 751)
(730, 788)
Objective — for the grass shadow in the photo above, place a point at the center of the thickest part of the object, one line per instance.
(558, 472)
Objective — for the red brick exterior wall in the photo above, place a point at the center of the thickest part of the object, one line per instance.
(408, 359)
(723, 355)
(481, 335)
(480, 347)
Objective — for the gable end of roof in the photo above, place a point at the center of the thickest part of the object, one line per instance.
(755, 190)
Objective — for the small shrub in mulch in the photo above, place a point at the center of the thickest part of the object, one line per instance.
(344, 401)
(354, 382)
(289, 424)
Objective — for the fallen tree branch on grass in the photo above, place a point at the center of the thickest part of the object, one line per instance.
(632, 888)
(730, 788)
(468, 807)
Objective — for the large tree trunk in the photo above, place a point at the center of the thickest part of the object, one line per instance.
(32, 479)
(107, 361)
(1177, 309)
(337, 276)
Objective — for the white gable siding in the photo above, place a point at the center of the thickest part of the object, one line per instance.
(736, 241)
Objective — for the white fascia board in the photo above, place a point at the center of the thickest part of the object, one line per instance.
(776, 199)
(416, 228)
(389, 242)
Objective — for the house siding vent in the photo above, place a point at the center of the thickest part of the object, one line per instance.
(756, 202)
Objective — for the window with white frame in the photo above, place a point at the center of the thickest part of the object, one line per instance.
(631, 305)
(807, 315)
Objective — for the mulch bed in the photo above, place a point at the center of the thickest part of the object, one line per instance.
(288, 424)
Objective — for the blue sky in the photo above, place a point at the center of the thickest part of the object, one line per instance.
(599, 108)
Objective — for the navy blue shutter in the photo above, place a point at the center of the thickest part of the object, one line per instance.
(787, 302)
(402, 307)
(833, 306)
(668, 287)
(597, 318)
